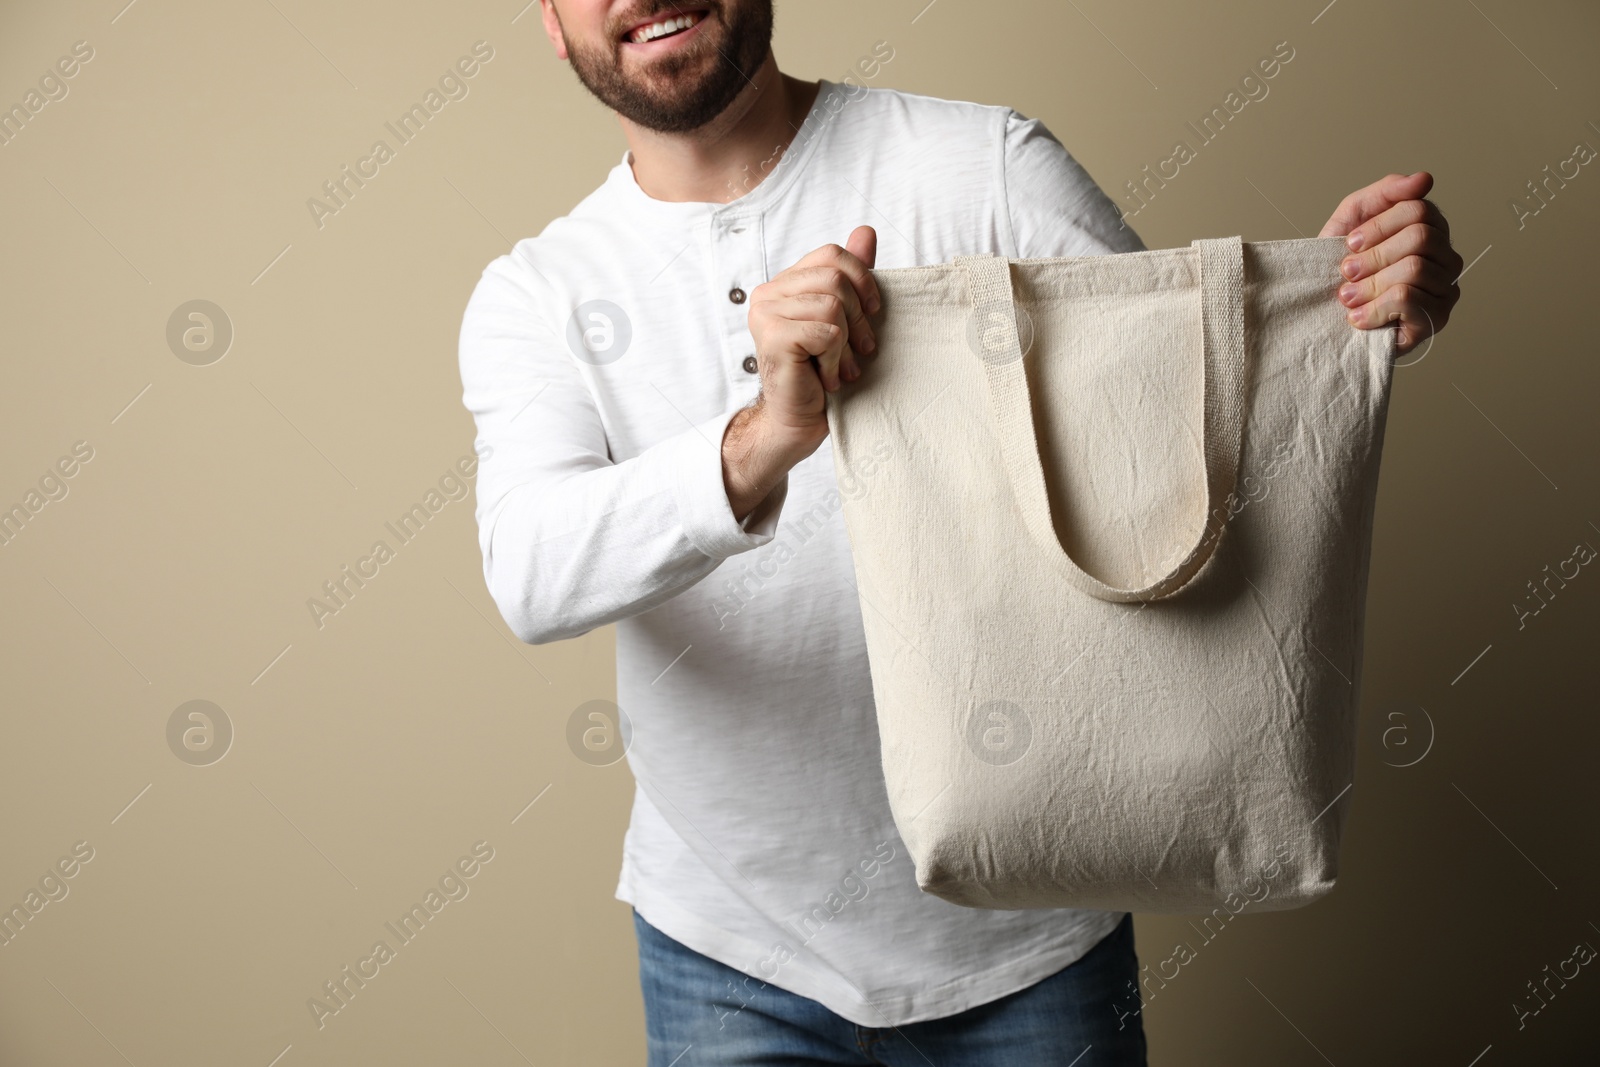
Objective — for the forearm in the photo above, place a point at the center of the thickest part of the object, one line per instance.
(757, 456)
(564, 555)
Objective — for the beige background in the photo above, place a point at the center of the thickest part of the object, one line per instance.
(371, 753)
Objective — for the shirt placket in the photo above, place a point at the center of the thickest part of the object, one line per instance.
(737, 265)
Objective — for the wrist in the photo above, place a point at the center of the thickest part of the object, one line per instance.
(757, 454)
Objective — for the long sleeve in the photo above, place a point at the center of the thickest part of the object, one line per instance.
(1053, 206)
(570, 539)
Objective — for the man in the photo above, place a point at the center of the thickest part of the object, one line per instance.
(650, 373)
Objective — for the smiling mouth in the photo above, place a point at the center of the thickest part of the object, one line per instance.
(663, 26)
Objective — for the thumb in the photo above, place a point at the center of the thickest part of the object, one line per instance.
(1409, 186)
(1373, 200)
(863, 244)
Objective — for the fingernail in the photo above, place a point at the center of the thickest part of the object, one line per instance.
(1354, 316)
(873, 304)
(1354, 241)
(1348, 292)
(868, 344)
(1350, 268)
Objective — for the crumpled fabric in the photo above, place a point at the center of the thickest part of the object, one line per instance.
(1044, 747)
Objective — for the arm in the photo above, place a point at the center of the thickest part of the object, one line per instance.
(570, 540)
(754, 459)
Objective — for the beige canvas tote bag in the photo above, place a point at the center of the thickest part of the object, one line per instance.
(1110, 518)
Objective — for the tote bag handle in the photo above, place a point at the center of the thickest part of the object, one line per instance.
(994, 332)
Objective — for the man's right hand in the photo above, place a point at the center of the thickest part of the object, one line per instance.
(809, 323)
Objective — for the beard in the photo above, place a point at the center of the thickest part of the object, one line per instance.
(687, 88)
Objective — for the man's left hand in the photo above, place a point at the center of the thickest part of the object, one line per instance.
(1401, 265)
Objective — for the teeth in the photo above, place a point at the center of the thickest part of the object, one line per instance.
(659, 29)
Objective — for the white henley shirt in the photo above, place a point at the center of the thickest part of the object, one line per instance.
(760, 832)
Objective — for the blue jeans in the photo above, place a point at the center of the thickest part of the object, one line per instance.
(1081, 1016)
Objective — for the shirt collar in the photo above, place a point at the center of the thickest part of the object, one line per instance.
(789, 165)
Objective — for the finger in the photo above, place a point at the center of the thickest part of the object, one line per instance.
(1418, 239)
(1421, 321)
(843, 356)
(819, 328)
(798, 280)
(795, 327)
(856, 260)
(1374, 199)
(1433, 278)
(855, 267)
(1419, 314)
(1386, 224)
(836, 360)
(863, 244)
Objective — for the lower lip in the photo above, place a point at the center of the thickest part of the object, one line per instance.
(667, 44)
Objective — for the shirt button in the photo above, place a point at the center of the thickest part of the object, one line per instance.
(736, 295)
(750, 364)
